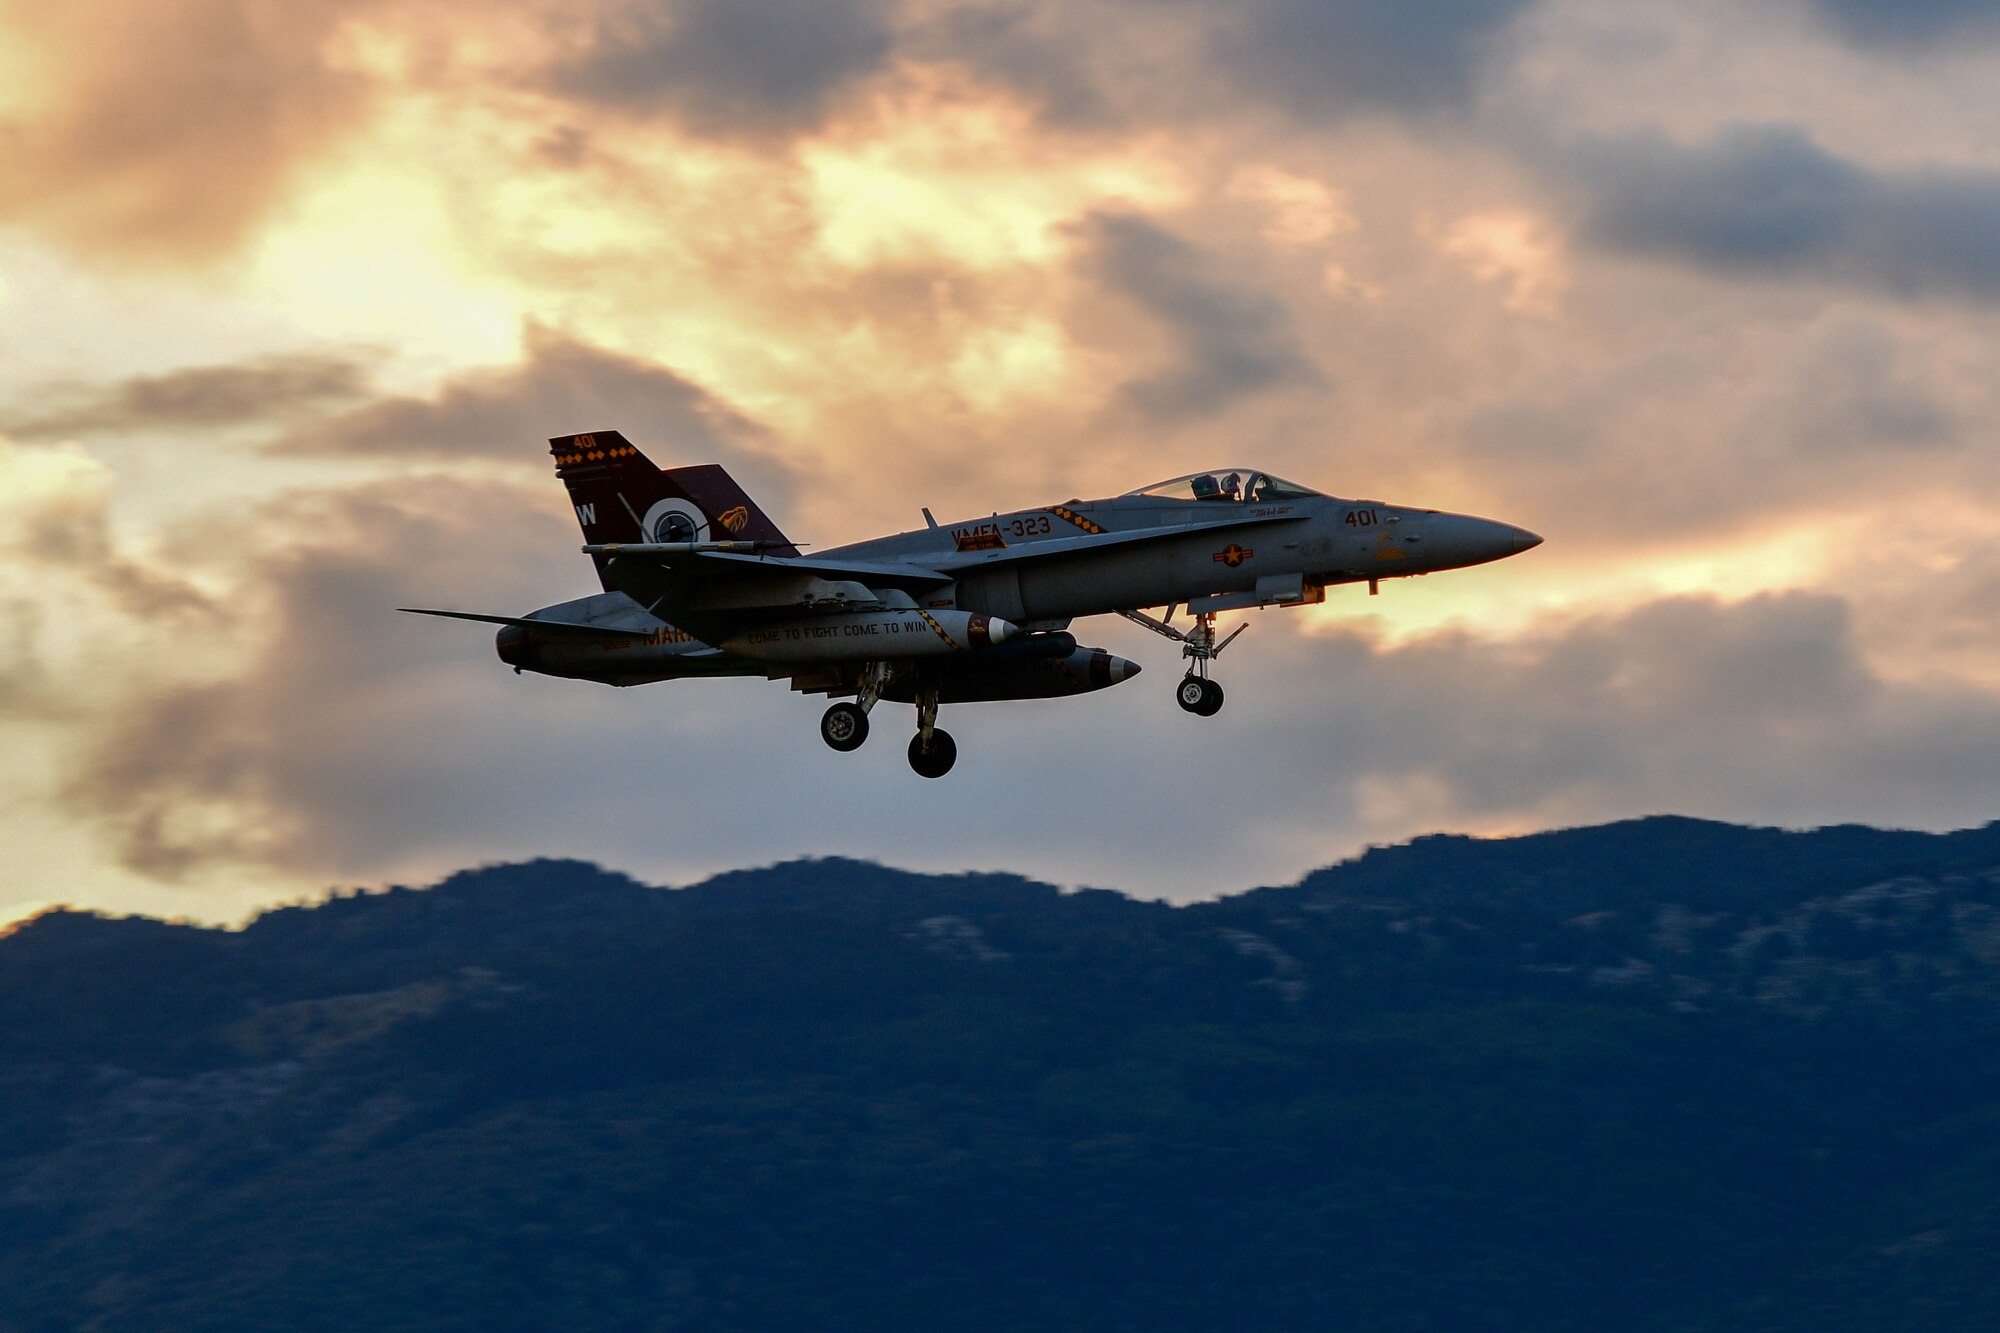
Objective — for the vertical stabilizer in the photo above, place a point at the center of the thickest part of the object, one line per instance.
(620, 496)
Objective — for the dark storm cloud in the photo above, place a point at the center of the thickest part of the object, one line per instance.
(201, 396)
(562, 387)
(727, 66)
(1091, 64)
(1322, 57)
(1053, 55)
(1229, 340)
(1910, 22)
(1767, 199)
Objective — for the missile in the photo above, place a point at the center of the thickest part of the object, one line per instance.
(867, 636)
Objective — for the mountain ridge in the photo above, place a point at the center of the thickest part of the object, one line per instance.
(1671, 1073)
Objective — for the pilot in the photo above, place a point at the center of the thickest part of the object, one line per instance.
(1232, 487)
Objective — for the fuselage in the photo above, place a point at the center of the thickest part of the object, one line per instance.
(1268, 543)
(1303, 545)
(699, 581)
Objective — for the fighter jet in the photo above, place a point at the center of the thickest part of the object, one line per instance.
(699, 582)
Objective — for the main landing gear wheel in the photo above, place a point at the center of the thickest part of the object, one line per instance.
(1196, 694)
(935, 760)
(1201, 697)
(844, 727)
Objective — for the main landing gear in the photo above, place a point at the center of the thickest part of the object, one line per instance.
(932, 750)
(1196, 693)
(844, 726)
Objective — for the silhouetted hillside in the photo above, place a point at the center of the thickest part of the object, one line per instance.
(1661, 1075)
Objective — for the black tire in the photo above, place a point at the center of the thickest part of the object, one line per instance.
(1211, 701)
(938, 759)
(1192, 693)
(844, 727)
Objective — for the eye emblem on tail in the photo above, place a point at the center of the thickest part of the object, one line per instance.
(674, 520)
(735, 519)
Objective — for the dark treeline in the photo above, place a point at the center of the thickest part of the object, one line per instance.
(1661, 1075)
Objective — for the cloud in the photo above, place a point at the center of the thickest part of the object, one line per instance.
(729, 67)
(1324, 57)
(1767, 199)
(734, 67)
(167, 131)
(55, 523)
(196, 398)
(26, 686)
(561, 387)
(1859, 390)
(298, 752)
(1092, 66)
(1909, 22)
(356, 744)
(1763, 709)
(1228, 340)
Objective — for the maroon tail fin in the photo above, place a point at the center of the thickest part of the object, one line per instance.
(620, 496)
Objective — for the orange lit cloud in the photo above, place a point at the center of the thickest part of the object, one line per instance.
(168, 130)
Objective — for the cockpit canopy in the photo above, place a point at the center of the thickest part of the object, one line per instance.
(1229, 485)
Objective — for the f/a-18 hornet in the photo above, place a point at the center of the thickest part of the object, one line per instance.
(698, 582)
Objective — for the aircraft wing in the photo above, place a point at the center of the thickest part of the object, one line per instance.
(714, 593)
(1085, 543)
(685, 558)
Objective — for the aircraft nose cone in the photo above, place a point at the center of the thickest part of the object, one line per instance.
(1453, 541)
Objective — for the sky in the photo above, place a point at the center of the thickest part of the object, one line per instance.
(293, 292)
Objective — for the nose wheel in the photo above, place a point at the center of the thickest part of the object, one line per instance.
(1196, 693)
(844, 727)
(1199, 696)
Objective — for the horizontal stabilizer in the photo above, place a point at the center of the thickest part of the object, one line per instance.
(559, 626)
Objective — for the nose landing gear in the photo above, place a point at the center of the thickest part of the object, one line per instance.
(1199, 696)
(845, 726)
(1196, 693)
